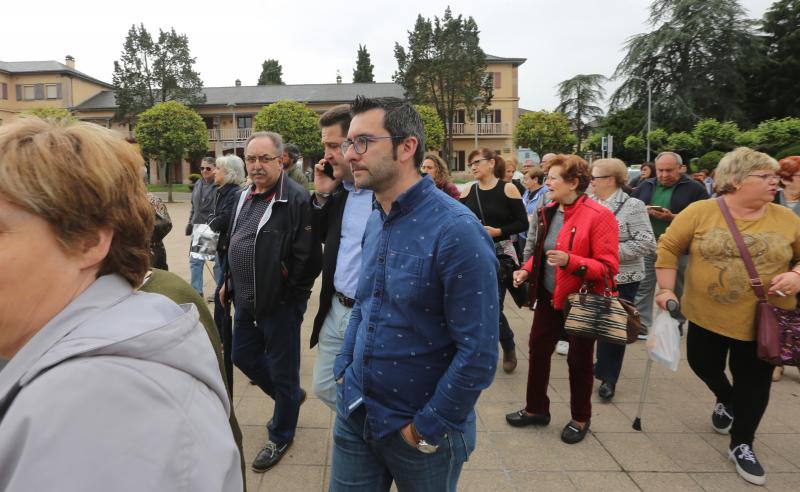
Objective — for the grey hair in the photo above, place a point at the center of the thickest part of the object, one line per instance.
(234, 169)
(277, 141)
(677, 157)
(210, 160)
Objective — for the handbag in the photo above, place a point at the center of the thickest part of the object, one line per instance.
(604, 317)
(204, 243)
(507, 258)
(777, 330)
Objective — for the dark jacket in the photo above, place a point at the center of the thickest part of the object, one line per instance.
(590, 235)
(327, 223)
(287, 256)
(686, 191)
(220, 219)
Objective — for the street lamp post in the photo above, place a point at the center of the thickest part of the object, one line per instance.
(649, 109)
(476, 100)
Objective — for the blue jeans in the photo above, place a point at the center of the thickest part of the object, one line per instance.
(363, 465)
(610, 355)
(268, 352)
(196, 270)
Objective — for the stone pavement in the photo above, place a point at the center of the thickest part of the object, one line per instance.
(678, 449)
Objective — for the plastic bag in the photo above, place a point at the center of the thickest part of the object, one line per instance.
(664, 340)
(204, 243)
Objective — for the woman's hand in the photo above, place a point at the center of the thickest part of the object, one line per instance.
(520, 276)
(557, 258)
(663, 296)
(787, 284)
(493, 231)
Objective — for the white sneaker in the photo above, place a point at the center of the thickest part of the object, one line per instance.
(562, 347)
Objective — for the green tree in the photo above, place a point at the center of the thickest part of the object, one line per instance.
(295, 122)
(635, 145)
(693, 57)
(271, 73)
(150, 72)
(363, 71)
(777, 134)
(544, 132)
(658, 139)
(683, 143)
(580, 97)
(169, 132)
(46, 113)
(713, 135)
(434, 128)
(444, 66)
(709, 160)
(773, 85)
(594, 142)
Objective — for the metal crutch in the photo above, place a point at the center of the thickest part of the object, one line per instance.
(674, 310)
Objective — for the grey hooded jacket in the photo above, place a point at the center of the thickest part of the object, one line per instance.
(119, 391)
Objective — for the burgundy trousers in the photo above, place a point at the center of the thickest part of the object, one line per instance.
(548, 326)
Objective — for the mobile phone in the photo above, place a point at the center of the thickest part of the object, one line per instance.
(328, 169)
(657, 208)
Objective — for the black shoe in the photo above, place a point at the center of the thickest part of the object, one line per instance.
(606, 391)
(521, 419)
(509, 360)
(747, 465)
(722, 418)
(572, 434)
(302, 400)
(269, 456)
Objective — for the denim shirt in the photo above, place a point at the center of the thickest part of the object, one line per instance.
(422, 338)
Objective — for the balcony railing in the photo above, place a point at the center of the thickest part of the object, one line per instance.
(229, 134)
(483, 129)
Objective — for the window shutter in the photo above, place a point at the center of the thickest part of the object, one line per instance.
(497, 116)
(58, 90)
(496, 77)
(19, 92)
(38, 91)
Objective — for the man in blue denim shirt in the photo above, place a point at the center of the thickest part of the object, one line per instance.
(421, 343)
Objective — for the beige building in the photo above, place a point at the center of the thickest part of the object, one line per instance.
(229, 111)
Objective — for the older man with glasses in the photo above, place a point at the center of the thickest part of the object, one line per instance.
(273, 259)
(202, 206)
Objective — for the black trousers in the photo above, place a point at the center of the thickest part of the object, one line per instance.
(748, 395)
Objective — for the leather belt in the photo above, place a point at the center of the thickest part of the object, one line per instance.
(345, 301)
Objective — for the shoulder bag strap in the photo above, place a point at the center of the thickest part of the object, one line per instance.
(478, 199)
(755, 280)
(619, 207)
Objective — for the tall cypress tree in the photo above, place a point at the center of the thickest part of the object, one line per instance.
(363, 70)
(271, 73)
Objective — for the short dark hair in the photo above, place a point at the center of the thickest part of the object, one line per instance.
(337, 115)
(573, 169)
(400, 120)
(292, 150)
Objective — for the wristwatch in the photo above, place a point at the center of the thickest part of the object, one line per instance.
(423, 446)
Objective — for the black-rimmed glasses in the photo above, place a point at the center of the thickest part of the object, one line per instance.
(361, 142)
(600, 177)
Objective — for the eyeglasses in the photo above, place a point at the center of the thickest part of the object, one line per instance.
(477, 161)
(600, 177)
(206, 168)
(361, 142)
(263, 158)
(766, 177)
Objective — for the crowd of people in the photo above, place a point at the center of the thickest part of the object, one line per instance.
(414, 279)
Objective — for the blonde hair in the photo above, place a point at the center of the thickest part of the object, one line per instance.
(80, 178)
(734, 167)
(614, 167)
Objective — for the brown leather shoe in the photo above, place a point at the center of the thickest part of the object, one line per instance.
(509, 360)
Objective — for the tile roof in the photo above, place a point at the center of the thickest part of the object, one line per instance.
(499, 59)
(265, 94)
(47, 66)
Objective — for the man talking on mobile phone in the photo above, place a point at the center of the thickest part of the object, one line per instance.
(340, 212)
(665, 195)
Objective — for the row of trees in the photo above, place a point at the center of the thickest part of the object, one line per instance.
(272, 71)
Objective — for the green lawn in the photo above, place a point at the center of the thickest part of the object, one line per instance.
(176, 188)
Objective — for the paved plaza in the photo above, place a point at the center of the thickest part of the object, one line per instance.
(678, 449)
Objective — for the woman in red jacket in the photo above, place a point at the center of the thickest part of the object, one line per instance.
(577, 242)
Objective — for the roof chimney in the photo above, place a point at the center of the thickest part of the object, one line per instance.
(70, 62)
(238, 83)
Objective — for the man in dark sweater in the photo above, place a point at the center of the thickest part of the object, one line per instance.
(202, 206)
(665, 195)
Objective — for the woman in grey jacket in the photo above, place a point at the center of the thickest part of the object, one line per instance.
(104, 388)
(636, 240)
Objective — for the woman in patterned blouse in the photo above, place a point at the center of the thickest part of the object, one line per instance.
(636, 240)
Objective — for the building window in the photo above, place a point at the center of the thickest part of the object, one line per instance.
(494, 78)
(4, 90)
(244, 122)
(28, 92)
(51, 91)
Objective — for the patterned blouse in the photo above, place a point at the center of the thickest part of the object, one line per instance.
(636, 237)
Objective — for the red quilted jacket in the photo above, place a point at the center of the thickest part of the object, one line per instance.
(591, 237)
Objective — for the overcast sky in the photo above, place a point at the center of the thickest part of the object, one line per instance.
(314, 39)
